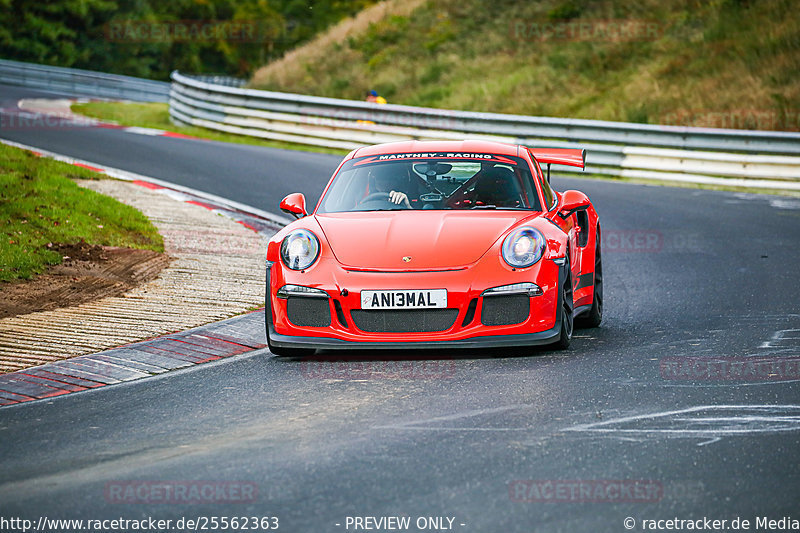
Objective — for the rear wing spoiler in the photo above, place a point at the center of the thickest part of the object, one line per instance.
(573, 157)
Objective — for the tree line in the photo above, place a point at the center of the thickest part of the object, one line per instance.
(150, 38)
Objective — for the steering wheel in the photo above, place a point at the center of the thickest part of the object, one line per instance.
(379, 199)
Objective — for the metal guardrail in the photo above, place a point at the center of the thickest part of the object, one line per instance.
(765, 159)
(220, 79)
(83, 82)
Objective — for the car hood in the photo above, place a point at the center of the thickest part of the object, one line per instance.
(429, 240)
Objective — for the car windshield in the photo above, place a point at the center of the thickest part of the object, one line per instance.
(431, 181)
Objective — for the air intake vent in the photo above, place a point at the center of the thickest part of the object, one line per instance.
(404, 321)
(310, 312)
(505, 310)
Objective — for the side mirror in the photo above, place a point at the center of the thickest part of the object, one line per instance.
(572, 201)
(295, 205)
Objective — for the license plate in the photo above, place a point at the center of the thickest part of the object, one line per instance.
(404, 299)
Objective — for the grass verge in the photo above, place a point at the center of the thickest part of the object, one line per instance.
(156, 116)
(41, 205)
(721, 63)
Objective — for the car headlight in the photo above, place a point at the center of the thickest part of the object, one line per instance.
(299, 249)
(523, 247)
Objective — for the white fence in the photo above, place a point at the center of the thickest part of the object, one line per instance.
(764, 159)
(82, 82)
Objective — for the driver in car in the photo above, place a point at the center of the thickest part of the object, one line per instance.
(389, 179)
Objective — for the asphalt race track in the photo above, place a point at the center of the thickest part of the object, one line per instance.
(235, 171)
(660, 413)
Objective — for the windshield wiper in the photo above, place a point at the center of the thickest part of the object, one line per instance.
(375, 210)
(504, 208)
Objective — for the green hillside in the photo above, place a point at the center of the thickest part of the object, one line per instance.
(717, 63)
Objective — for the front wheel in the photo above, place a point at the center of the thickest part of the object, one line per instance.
(566, 305)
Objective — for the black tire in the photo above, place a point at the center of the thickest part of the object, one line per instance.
(566, 307)
(593, 317)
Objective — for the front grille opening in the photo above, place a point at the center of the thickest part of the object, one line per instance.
(470, 316)
(505, 310)
(404, 320)
(309, 312)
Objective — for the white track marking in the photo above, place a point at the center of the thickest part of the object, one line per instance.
(765, 419)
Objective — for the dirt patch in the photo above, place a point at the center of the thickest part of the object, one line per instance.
(88, 273)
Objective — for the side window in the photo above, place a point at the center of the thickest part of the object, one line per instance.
(547, 191)
(549, 196)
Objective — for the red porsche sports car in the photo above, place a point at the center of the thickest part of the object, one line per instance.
(436, 244)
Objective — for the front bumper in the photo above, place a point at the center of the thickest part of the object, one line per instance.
(500, 341)
(542, 325)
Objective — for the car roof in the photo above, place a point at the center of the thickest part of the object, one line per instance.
(403, 147)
